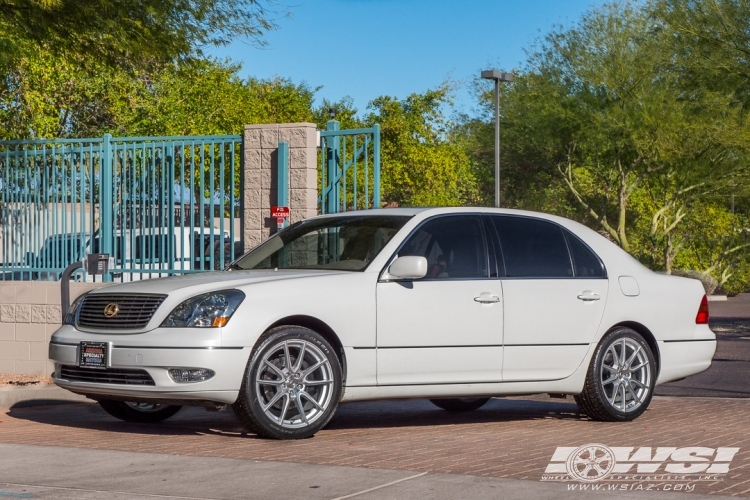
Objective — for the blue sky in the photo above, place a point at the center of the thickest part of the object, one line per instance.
(368, 48)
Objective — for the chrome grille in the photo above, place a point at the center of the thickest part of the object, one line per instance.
(120, 376)
(134, 311)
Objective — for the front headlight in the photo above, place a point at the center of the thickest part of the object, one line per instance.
(210, 310)
(70, 318)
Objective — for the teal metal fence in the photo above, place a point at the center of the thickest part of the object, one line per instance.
(350, 169)
(158, 205)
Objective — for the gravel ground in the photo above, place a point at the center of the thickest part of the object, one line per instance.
(7, 379)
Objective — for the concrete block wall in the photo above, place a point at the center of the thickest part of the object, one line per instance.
(29, 315)
(261, 173)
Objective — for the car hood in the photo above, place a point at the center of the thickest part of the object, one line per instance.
(208, 281)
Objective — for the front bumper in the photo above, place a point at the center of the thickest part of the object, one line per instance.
(156, 352)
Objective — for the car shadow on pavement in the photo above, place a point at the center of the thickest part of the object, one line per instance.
(195, 421)
(420, 412)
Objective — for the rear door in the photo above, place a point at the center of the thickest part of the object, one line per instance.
(555, 289)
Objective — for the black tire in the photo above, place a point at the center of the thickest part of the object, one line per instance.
(289, 385)
(598, 399)
(130, 412)
(460, 404)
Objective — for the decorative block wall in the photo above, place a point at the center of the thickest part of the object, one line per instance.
(261, 173)
(29, 315)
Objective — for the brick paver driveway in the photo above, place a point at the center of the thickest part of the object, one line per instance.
(512, 438)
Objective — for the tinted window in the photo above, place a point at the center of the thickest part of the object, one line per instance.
(533, 248)
(585, 262)
(453, 246)
(345, 243)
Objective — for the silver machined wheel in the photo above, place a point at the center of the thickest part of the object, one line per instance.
(625, 375)
(294, 382)
(145, 407)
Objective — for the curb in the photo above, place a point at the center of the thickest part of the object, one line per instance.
(40, 395)
(717, 298)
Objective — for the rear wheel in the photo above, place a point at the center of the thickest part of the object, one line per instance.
(621, 378)
(292, 385)
(132, 411)
(460, 404)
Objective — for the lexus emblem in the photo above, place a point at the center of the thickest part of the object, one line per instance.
(111, 309)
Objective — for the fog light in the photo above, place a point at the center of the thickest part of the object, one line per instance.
(181, 375)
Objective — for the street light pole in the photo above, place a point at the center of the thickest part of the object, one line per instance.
(498, 77)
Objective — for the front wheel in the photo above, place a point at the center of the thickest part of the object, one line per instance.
(145, 413)
(292, 385)
(460, 404)
(621, 378)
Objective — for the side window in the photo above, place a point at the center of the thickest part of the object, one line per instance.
(453, 246)
(585, 262)
(533, 248)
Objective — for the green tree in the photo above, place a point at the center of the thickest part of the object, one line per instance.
(420, 166)
(47, 97)
(122, 32)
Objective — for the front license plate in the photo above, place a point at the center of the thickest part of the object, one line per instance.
(94, 355)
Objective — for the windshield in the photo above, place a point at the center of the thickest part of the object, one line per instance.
(345, 243)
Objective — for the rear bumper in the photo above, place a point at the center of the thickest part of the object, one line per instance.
(680, 359)
(228, 364)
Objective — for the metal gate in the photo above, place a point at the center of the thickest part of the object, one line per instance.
(159, 205)
(349, 169)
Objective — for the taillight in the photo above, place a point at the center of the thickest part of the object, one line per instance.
(702, 317)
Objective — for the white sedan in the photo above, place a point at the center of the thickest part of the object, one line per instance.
(452, 304)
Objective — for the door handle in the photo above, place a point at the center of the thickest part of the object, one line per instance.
(588, 296)
(487, 298)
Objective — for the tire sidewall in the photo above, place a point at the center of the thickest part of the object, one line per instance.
(596, 367)
(252, 401)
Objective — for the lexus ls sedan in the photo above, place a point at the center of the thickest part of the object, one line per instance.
(452, 304)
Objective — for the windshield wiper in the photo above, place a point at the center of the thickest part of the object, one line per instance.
(234, 267)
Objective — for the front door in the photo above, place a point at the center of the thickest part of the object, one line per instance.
(447, 327)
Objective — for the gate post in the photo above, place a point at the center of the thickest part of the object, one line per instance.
(332, 168)
(106, 227)
(260, 176)
(282, 176)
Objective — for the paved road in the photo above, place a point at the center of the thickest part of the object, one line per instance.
(49, 473)
(729, 374)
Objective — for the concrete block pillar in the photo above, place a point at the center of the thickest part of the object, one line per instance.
(261, 174)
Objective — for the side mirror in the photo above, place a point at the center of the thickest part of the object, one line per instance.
(408, 268)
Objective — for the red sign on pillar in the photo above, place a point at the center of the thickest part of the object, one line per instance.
(280, 212)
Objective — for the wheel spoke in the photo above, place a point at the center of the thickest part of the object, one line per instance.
(615, 360)
(609, 380)
(287, 357)
(622, 393)
(270, 382)
(645, 363)
(284, 408)
(611, 369)
(274, 368)
(623, 350)
(317, 382)
(614, 394)
(275, 398)
(311, 399)
(300, 409)
(311, 369)
(635, 396)
(300, 357)
(638, 382)
(632, 356)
